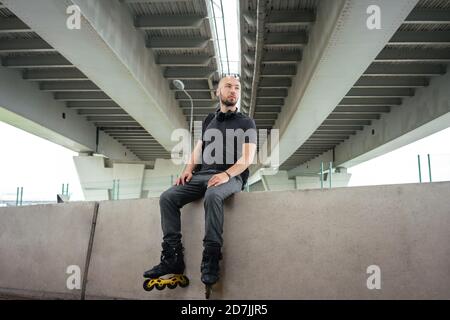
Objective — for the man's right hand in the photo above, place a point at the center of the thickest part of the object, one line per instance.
(185, 177)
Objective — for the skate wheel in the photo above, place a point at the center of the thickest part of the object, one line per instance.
(160, 286)
(146, 285)
(172, 285)
(185, 282)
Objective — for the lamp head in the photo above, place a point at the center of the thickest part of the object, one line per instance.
(178, 84)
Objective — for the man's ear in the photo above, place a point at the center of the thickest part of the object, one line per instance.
(218, 92)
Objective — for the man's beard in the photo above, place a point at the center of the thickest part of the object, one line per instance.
(228, 103)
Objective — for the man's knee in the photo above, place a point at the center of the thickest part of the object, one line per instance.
(213, 196)
(166, 197)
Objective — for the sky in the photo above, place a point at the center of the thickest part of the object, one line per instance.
(401, 165)
(229, 44)
(37, 165)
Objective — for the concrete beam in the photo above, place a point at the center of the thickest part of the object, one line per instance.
(291, 57)
(270, 101)
(281, 82)
(199, 104)
(412, 70)
(420, 37)
(24, 106)
(193, 85)
(69, 74)
(36, 61)
(24, 45)
(353, 116)
(270, 57)
(279, 39)
(188, 73)
(429, 16)
(339, 128)
(418, 117)
(290, 18)
(99, 112)
(176, 43)
(324, 58)
(262, 109)
(81, 96)
(380, 92)
(125, 130)
(282, 18)
(111, 52)
(375, 101)
(272, 93)
(362, 109)
(262, 116)
(180, 60)
(152, 1)
(278, 71)
(290, 39)
(339, 122)
(196, 95)
(151, 22)
(89, 104)
(79, 86)
(110, 118)
(391, 82)
(398, 54)
(117, 124)
(8, 25)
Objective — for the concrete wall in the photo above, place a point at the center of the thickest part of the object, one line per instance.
(278, 245)
(38, 243)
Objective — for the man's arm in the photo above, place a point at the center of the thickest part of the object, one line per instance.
(248, 154)
(194, 158)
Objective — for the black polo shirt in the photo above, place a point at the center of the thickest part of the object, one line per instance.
(223, 138)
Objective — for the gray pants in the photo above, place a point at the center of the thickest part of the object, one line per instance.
(177, 196)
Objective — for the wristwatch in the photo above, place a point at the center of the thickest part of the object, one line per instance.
(228, 174)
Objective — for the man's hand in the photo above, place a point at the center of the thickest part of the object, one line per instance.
(185, 177)
(218, 179)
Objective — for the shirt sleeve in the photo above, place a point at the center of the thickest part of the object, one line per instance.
(204, 127)
(250, 132)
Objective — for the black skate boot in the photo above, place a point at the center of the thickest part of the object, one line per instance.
(210, 267)
(169, 272)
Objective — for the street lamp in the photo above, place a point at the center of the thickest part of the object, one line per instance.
(180, 86)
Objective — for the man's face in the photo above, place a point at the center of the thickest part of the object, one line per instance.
(228, 91)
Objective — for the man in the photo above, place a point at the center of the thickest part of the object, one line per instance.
(216, 179)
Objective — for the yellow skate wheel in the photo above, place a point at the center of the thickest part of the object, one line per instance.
(184, 282)
(171, 285)
(160, 286)
(148, 286)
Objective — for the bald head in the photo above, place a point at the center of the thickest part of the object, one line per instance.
(228, 91)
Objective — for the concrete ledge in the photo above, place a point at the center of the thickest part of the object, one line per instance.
(38, 243)
(309, 244)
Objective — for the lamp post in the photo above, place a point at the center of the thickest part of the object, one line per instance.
(180, 86)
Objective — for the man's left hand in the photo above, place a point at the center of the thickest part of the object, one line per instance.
(218, 179)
